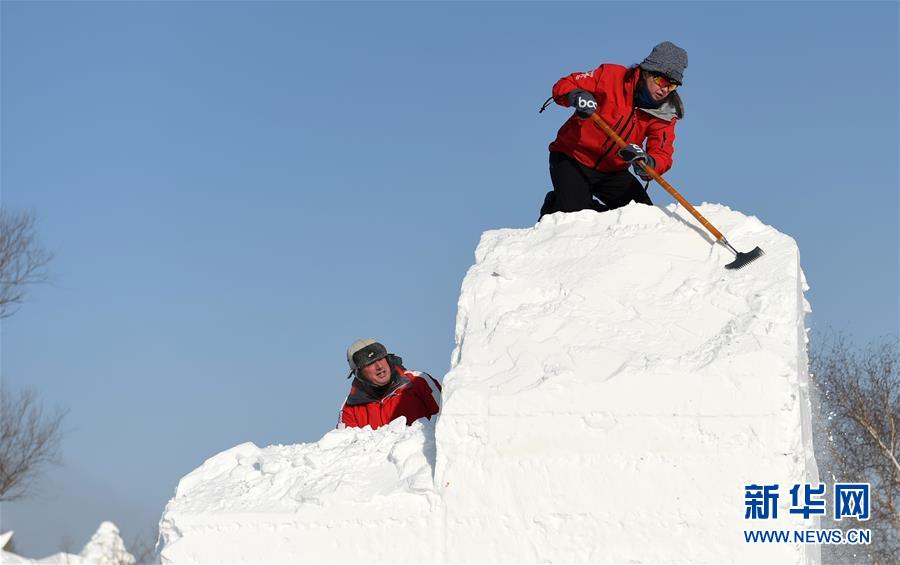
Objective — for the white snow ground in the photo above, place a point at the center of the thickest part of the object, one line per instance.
(612, 391)
(104, 548)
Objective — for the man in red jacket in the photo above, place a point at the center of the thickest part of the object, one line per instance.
(641, 105)
(383, 390)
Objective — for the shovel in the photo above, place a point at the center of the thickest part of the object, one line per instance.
(742, 259)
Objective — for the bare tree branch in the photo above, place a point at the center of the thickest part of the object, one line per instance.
(143, 549)
(22, 259)
(29, 441)
(858, 398)
(875, 436)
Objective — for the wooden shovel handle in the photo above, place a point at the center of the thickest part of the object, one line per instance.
(655, 176)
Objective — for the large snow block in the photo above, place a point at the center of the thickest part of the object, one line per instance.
(356, 495)
(612, 392)
(614, 389)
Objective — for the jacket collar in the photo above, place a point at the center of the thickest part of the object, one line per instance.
(672, 107)
(363, 392)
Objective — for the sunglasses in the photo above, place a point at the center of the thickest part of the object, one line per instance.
(664, 82)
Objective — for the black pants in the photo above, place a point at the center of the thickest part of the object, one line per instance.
(574, 188)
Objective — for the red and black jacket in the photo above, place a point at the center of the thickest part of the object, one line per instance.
(409, 393)
(613, 88)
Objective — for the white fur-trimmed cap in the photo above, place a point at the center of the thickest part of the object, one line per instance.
(364, 352)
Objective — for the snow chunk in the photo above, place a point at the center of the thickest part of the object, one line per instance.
(104, 548)
(300, 502)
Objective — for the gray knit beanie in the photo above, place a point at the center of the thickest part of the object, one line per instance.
(668, 60)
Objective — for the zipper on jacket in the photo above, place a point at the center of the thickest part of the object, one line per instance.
(390, 394)
(612, 142)
(396, 390)
(625, 135)
(608, 140)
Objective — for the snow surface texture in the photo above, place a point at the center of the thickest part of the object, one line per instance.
(104, 548)
(346, 497)
(612, 391)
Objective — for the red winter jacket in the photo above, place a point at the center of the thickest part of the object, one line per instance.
(409, 393)
(613, 88)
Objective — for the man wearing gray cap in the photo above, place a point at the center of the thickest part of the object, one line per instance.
(641, 105)
(383, 390)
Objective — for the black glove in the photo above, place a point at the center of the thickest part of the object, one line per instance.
(639, 170)
(583, 102)
(632, 153)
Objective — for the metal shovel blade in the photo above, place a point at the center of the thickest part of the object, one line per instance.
(741, 260)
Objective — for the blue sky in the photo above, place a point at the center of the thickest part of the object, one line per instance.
(234, 192)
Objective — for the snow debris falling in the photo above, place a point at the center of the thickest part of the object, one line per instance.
(104, 548)
(612, 391)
